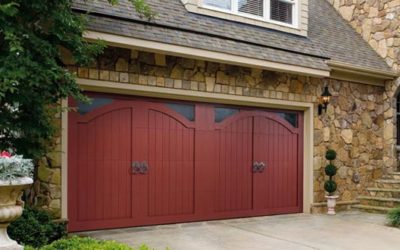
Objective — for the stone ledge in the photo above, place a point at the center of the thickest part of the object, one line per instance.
(321, 207)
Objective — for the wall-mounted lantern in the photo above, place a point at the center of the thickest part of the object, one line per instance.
(324, 101)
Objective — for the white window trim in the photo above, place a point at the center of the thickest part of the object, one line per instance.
(266, 18)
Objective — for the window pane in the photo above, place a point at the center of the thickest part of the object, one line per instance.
(94, 103)
(292, 118)
(282, 11)
(223, 113)
(254, 7)
(186, 110)
(223, 4)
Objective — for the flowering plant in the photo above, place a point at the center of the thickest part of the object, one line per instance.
(14, 166)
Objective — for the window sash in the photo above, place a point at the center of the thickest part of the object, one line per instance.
(266, 11)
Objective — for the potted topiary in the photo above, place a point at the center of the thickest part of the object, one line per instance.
(15, 175)
(330, 185)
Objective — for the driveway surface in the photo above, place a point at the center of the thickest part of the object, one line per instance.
(352, 230)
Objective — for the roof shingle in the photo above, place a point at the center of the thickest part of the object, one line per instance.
(329, 36)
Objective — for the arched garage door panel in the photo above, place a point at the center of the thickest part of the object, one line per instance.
(276, 144)
(234, 178)
(170, 154)
(101, 185)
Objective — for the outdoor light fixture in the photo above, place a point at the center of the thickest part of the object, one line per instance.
(325, 98)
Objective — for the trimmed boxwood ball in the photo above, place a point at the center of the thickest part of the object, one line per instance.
(330, 186)
(330, 170)
(330, 155)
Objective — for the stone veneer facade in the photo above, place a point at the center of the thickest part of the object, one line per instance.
(378, 21)
(353, 125)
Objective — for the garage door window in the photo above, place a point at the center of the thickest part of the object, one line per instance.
(223, 113)
(185, 110)
(292, 118)
(94, 103)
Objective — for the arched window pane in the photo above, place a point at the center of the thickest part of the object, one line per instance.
(94, 103)
(186, 110)
(292, 118)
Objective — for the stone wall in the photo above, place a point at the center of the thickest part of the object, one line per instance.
(46, 191)
(353, 124)
(378, 21)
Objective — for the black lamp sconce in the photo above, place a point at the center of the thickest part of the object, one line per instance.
(324, 100)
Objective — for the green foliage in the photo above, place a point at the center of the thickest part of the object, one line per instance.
(85, 244)
(330, 186)
(142, 8)
(36, 228)
(33, 78)
(330, 170)
(394, 217)
(330, 155)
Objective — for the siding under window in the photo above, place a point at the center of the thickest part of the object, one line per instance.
(223, 4)
(282, 11)
(254, 7)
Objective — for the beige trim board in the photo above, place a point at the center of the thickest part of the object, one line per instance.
(187, 95)
(347, 72)
(158, 92)
(182, 51)
(64, 160)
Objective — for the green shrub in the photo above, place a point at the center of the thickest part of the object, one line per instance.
(394, 217)
(330, 170)
(86, 243)
(330, 186)
(36, 228)
(330, 155)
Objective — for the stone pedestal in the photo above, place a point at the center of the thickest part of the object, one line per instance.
(11, 208)
(331, 204)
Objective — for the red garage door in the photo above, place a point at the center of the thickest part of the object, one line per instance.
(141, 162)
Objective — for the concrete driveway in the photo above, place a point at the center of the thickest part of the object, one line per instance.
(300, 231)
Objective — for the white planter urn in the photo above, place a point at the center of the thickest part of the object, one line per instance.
(331, 203)
(11, 208)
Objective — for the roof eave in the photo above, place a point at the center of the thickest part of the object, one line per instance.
(202, 54)
(338, 70)
(347, 72)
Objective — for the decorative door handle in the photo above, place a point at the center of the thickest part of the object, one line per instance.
(140, 167)
(261, 167)
(258, 167)
(255, 167)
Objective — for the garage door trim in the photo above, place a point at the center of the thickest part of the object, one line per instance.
(156, 92)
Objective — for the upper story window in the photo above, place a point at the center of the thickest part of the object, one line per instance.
(276, 11)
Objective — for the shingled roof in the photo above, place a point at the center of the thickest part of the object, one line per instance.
(329, 37)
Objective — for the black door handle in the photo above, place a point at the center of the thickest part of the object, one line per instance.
(140, 167)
